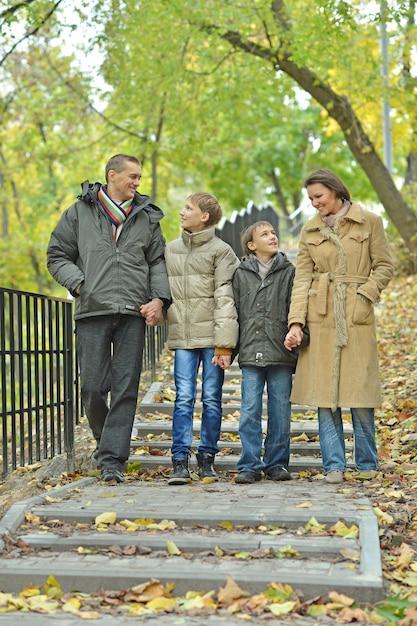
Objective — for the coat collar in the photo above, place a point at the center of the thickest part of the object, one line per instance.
(199, 238)
(355, 214)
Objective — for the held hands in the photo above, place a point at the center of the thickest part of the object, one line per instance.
(294, 337)
(152, 312)
(222, 361)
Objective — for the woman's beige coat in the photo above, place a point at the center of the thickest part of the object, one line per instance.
(339, 276)
(200, 270)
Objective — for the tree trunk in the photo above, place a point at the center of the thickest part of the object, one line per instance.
(340, 109)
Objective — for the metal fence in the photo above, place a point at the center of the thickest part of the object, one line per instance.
(287, 228)
(37, 378)
(231, 229)
(40, 399)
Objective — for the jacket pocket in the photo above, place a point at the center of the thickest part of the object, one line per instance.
(313, 316)
(363, 311)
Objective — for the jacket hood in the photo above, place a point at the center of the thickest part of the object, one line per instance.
(250, 262)
(89, 193)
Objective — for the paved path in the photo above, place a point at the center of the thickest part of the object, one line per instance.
(265, 519)
(197, 510)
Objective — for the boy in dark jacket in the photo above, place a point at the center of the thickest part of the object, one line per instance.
(262, 289)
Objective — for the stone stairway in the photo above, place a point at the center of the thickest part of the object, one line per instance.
(151, 439)
(255, 534)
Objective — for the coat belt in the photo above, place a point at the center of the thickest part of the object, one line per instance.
(325, 278)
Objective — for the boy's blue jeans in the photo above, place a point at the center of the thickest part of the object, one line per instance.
(278, 379)
(332, 442)
(186, 364)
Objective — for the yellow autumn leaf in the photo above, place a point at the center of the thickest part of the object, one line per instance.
(161, 604)
(383, 517)
(72, 605)
(341, 530)
(286, 552)
(5, 598)
(340, 598)
(106, 518)
(148, 591)
(197, 600)
(208, 479)
(43, 604)
(242, 555)
(144, 522)
(218, 551)
(316, 609)
(164, 524)
(283, 608)
(27, 592)
(172, 548)
(52, 587)
(19, 603)
(226, 525)
(314, 527)
(406, 556)
(304, 505)
(84, 550)
(128, 525)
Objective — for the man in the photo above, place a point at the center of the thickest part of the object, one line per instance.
(108, 251)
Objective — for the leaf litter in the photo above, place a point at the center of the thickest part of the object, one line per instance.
(392, 492)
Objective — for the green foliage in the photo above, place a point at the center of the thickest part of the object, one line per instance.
(201, 113)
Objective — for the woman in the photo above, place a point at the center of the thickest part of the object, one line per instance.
(343, 264)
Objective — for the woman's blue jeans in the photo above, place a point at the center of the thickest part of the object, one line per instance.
(278, 380)
(332, 442)
(186, 364)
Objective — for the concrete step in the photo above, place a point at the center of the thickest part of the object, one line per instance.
(263, 519)
(227, 463)
(160, 425)
(154, 403)
(229, 447)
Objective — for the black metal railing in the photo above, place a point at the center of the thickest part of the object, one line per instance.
(40, 399)
(37, 378)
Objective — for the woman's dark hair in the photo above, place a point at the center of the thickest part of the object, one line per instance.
(329, 180)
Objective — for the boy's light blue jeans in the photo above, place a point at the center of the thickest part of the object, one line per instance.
(332, 442)
(186, 364)
(278, 379)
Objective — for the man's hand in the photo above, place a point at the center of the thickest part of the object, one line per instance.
(152, 312)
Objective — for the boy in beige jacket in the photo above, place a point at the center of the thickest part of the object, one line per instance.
(203, 329)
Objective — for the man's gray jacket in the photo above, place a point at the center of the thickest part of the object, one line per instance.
(115, 276)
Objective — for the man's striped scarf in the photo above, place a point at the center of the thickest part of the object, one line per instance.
(117, 213)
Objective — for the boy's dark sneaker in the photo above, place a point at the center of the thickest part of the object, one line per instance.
(246, 477)
(109, 474)
(205, 462)
(278, 473)
(180, 473)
